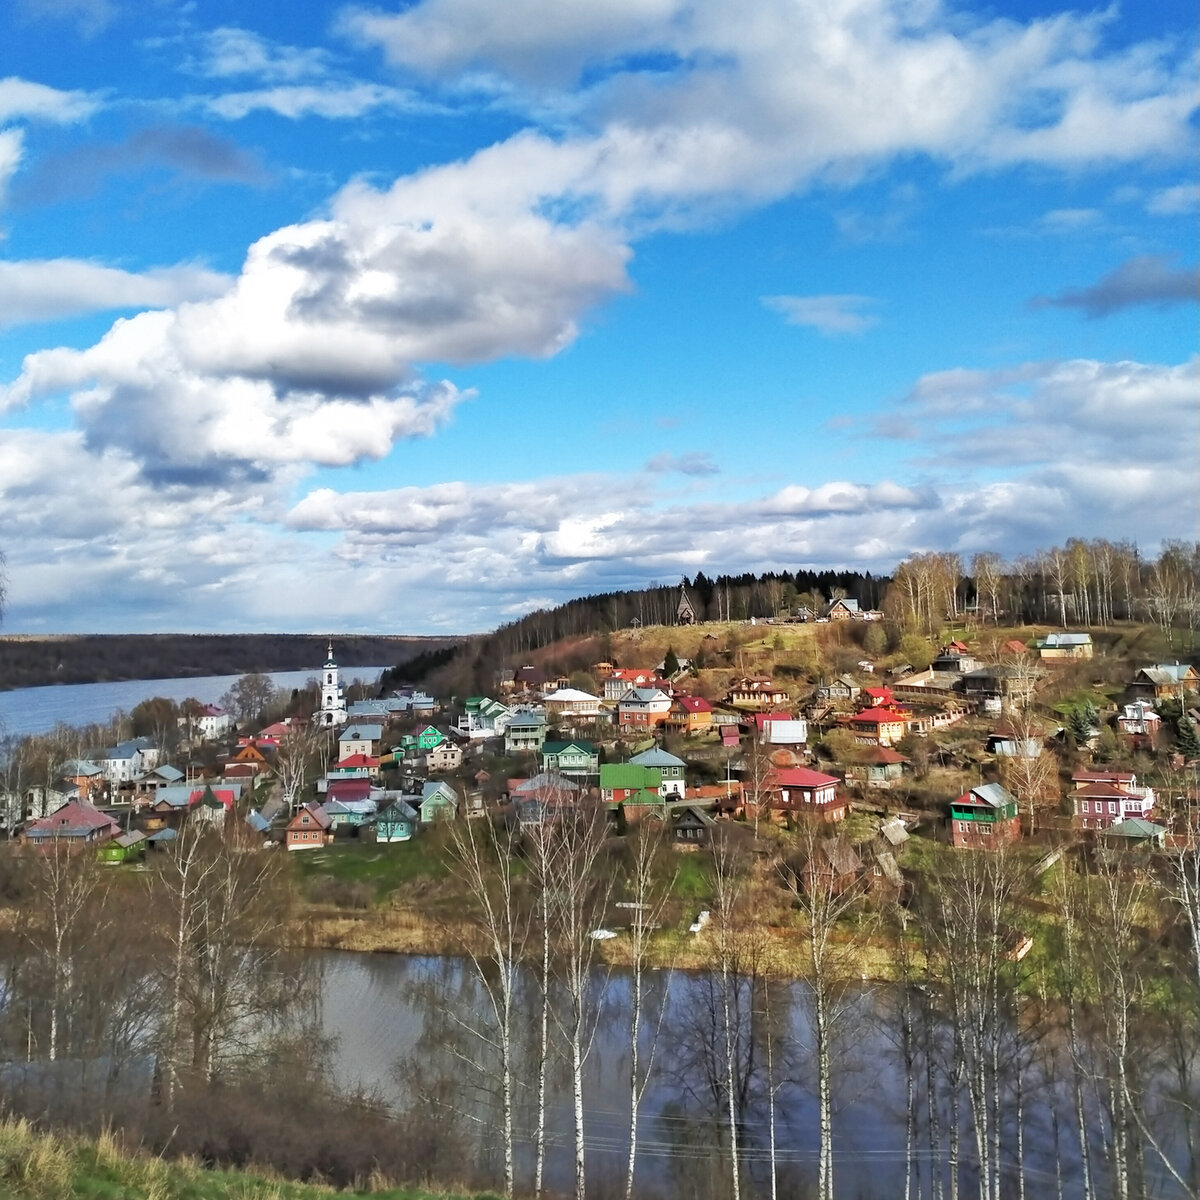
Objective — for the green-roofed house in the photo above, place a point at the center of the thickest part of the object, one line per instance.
(1134, 831)
(619, 781)
(128, 847)
(575, 759)
(986, 816)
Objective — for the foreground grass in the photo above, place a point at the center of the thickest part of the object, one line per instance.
(48, 1166)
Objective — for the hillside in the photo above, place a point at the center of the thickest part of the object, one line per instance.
(46, 1166)
(104, 658)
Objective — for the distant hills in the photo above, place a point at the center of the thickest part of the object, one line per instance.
(104, 658)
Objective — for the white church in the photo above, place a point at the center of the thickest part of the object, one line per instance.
(332, 712)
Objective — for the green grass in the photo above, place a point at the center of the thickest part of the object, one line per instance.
(385, 868)
(47, 1166)
(692, 879)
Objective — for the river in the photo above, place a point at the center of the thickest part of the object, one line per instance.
(38, 709)
(395, 1017)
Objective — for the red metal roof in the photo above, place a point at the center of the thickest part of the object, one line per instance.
(695, 704)
(802, 777)
(1103, 777)
(349, 789)
(879, 716)
(356, 760)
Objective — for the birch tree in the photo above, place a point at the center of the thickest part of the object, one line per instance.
(482, 860)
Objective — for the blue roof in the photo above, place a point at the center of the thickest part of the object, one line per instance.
(656, 756)
(995, 794)
(361, 733)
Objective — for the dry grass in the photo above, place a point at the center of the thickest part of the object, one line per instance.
(37, 1165)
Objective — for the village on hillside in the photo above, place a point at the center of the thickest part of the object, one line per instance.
(990, 741)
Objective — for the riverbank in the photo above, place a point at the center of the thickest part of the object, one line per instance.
(36, 1165)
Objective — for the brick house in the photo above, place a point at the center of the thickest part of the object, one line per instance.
(984, 817)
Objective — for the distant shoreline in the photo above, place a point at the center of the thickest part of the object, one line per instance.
(37, 660)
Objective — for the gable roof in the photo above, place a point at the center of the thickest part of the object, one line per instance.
(315, 811)
(571, 696)
(656, 756)
(801, 777)
(693, 704)
(991, 795)
(1054, 641)
(76, 818)
(629, 775)
(584, 747)
(361, 733)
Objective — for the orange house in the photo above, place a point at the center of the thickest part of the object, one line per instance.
(690, 715)
(310, 829)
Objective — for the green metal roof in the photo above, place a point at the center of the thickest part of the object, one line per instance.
(629, 775)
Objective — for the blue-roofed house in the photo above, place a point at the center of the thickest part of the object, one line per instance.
(360, 737)
(399, 821)
(1064, 645)
(439, 802)
(670, 767)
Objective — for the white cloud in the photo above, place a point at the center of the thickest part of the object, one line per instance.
(1067, 220)
(46, 289)
(12, 143)
(21, 99)
(230, 51)
(1181, 198)
(335, 101)
(830, 315)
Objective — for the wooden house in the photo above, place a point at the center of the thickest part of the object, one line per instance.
(439, 802)
(1164, 681)
(880, 767)
(309, 829)
(833, 867)
(398, 822)
(879, 726)
(525, 732)
(797, 791)
(1056, 646)
(443, 758)
(619, 781)
(983, 817)
(1103, 797)
(690, 715)
(691, 827)
(75, 824)
(578, 759)
(671, 769)
(125, 847)
(757, 691)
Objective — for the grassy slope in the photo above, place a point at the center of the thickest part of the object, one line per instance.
(43, 1166)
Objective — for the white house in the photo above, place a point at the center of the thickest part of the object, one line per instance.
(360, 739)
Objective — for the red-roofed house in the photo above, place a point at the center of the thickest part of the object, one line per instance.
(309, 829)
(879, 726)
(1102, 798)
(877, 697)
(798, 790)
(690, 715)
(77, 823)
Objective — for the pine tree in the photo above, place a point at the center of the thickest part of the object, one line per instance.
(670, 663)
(1187, 740)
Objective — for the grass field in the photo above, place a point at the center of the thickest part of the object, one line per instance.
(45, 1166)
(384, 868)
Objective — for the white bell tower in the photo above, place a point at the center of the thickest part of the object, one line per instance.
(333, 701)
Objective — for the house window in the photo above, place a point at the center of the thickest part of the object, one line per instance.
(985, 829)
(1085, 805)
(1112, 806)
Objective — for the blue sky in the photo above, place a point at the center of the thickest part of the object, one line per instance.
(415, 317)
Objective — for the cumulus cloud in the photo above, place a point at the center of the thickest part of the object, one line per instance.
(1148, 279)
(47, 289)
(693, 101)
(12, 144)
(828, 315)
(88, 16)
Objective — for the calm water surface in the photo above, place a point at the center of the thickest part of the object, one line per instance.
(39, 709)
(395, 1018)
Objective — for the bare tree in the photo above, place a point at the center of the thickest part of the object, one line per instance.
(482, 859)
(578, 895)
(826, 883)
(294, 759)
(648, 892)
